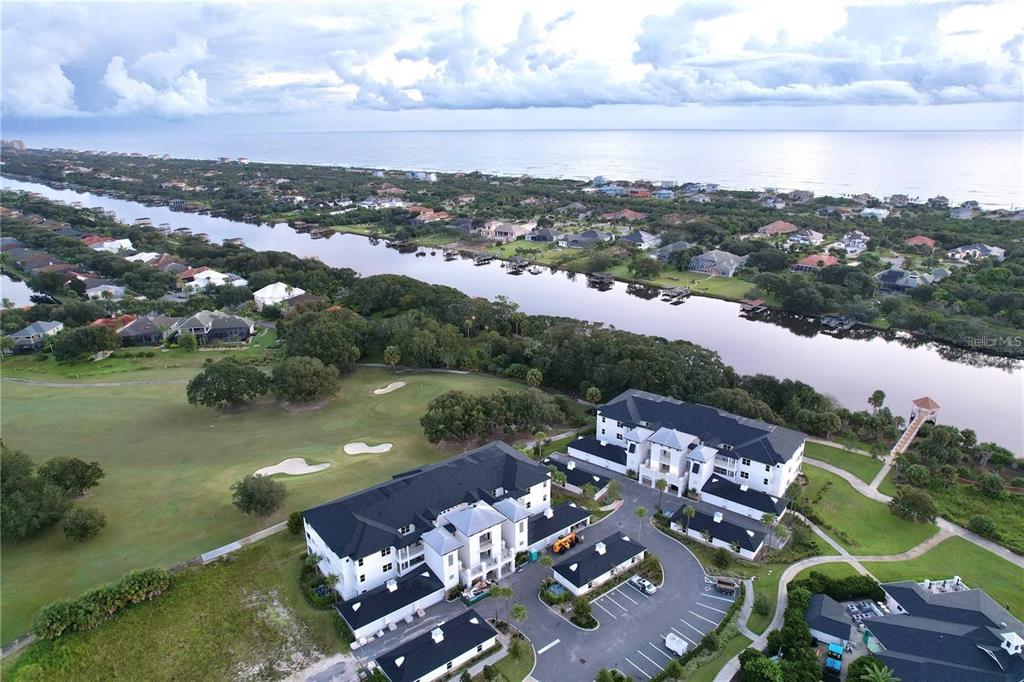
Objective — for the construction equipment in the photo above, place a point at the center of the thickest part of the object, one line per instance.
(565, 543)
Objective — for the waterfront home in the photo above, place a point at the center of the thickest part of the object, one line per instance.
(193, 280)
(806, 237)
(642, 240)
(613, 190)
(425, 217)
(639, 192)
(584, 239)
(716, 262)
(962, 213)
(665, 252)
(544, 235)
(421, 176)
(864, 199)
(103, 289)
(146, 330)
(939, 202)
(920, 240)
(814, 263)
(214, 325)
(970, 252)
(898, 200)
(612, 555)
(506, 232)
(771, 202)
(664, 194)
(275, 293)
(878, 214)
(436, 654)
(33, 337)
(776, 228)
(898, 281)
(801, 196)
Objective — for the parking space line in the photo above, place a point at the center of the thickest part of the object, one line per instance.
(638, 590)
(624, 609)
(649, 659)
(622, 593)
(547, 646)
(710, 607)
(691, 627)
(605, 610)
(642, 671)
(713, 596)
(682, 635)
(713, 622)
(655, 647)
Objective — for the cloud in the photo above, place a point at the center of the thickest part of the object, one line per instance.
(179, 61)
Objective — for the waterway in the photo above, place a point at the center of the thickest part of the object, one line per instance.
(974, 390)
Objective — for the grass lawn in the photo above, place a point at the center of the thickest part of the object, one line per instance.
(243, 618)
(1000, 579)
(709, 667)
(861, 525)
(887, 487)
(836, 570)
(960, 503)
(861, 466)
(514, 669)
(169, 467)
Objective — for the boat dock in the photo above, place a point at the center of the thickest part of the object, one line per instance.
(675, 295)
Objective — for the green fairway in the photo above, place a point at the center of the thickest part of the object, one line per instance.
(1000, 579)
(169, 467)
(861, 466)
(244, 618)
(861, 525)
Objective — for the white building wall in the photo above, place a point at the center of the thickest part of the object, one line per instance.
(331, 563)
(539, 497)
(600, 580)
(446, 567)
(515, 535)
(827, 638)
(745, 553)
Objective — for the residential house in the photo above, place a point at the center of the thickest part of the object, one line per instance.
(436, 654)
(920, 240)
(275, 293)
(612, 555)
(202, 278)
(878, 214)
(970, 252)
(716, 262)
(898, 281)
(111, 245)
(639, 192)
(801, 196)
(853, 243)
(429, 217)
(103, 289)
(772, 202)
(624, 214)
(422, 176)
(664, 194)
(664, 253)
(575, 208)
(544, 235)
(213, 325)
(828, 620)
(776, 228)
(613, 190)
(584, 239)
(34, 336)
(814, 262)
(147, 330)
(806, 237)
(464, 199)
(939, 202)
(962, 213)
(642, 240)
(899, 200)
(943, 630)
(112, 323)
(864, 199)
(142, 257)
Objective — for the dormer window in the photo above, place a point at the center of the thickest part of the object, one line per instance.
(498, 492)
(405, 530)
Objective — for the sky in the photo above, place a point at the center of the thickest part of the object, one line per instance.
(818, 64)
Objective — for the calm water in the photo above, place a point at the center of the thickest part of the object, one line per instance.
(17, 293)
(984, 166)
(985, 398)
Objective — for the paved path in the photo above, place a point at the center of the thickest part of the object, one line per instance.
(861, 487)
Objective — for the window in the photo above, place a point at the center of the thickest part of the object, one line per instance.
(450, 664)
(745, 462)
(528, 504)
(602, 430)
(479, 648)
(360, 562)
(545, 498)
(386, 551)
(362, 578)
(744, 475)
(695, 468)
(766, 481)
(385, 568)
(632, 447)
(767, 467)
(522, 526)
(451, 559)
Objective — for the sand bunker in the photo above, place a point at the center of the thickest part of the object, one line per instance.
(393, 386)
(295, 466)
(364, 449)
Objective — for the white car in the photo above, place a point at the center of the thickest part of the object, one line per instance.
(643, 584)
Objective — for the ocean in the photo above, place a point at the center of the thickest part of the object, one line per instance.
(984, 166)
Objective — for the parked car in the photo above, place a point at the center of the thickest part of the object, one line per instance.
(643, 584)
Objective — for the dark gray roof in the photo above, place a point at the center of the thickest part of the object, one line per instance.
(564, 516)
(379, 602)
(38, 327)
(577, 476)
(724, 530)
(750, 438)
(419, 656)
(367, 521)
(147, 326)
(825, 614)
(592, 446)
(755, 499)
(581, 569)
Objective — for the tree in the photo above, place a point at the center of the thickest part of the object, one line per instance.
(518, 613)
(29, 504)
(295, 524)
(982, 525)
(393, 356)
(259, 495)
(226, 383)
(188, 342)
(588, 492)
(762, 606)
(70, 474)
(82, 524)
(331, 337)
(913, 504)
(721, 558)
(878, 672)
(917, 475)
(302, 379)
(581, 611)
(992, 486)
(768, 519)
(594, 395)
(644, 267)
(660, 484)
(546, 561)
(641, 513)
(759, 668)
(534, 377)
(501, 592)
(558, 477)
(73, 344)
(876, 400)
(689, 512)
(614, 490)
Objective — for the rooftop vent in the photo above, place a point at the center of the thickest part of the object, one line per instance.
(726, 446)
(600, 548)
(718, 517)
(549, 513)
(437, 634)
(392, 585)
(570, 466)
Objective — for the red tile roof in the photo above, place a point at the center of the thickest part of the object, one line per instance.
(927, 403)
(920, 240)
(819, 260)
(624, 214)
(114, 323)
(777, 227)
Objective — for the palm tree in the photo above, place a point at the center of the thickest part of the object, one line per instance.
(660, 484)
(768, 519)
(500, 592)
(876, 400)
(392, 356)
(546, 561)
(878, 672)
(689, 512)
(641, 513)
(518, 613)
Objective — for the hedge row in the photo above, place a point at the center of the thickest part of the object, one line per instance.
(99, 605)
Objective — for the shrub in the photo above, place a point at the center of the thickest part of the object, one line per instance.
(992, 486)
(75, 343)
(581, 613)
(721, 558)
(762, 606)
(260, 495)
(83, 524)
(295, 522)
(983, 525)
(913, 504)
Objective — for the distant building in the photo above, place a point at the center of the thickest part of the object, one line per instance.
(853, 243)
(962, 213)
(899, 200)
(716, 262)
(979, 251)
(806, 238)
(939, 202)
(814, 263)
(801, 196)
(422, 176)
(275, 293)
(920, 240)
(876, 213)
(613, 190)
(664, 194)
(664, 253)
(642, 240)
(33, 337)
(776, 228)
(624, 214)
(214, 325)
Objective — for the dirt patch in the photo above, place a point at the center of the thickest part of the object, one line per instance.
(393, 386)
(288, 649)
(360, 448)
(293, 466)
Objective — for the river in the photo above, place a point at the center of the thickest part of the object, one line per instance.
(974, 391)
